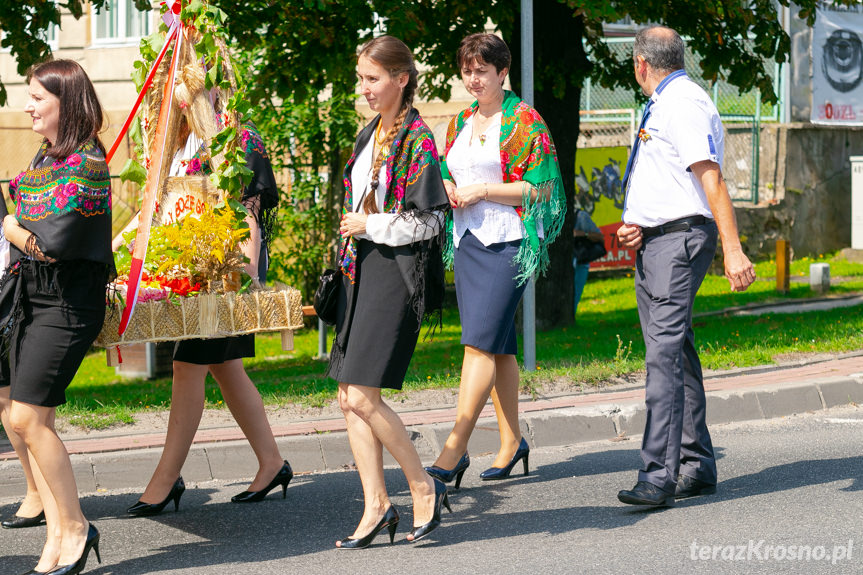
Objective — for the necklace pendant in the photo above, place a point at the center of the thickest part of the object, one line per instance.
(482, 139)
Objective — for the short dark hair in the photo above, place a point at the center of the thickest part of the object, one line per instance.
(486, 48)
(661, 47)
(81, 113)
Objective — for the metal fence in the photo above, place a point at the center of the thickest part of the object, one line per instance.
(609, 116)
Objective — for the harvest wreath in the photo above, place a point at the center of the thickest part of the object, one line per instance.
(181, 270)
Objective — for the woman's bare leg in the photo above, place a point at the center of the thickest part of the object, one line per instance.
(388, 429)
(368, 457)
(32, 504)
(53, 470)
(504, 394)
(478, 375)
(246, 406)
(187, 407)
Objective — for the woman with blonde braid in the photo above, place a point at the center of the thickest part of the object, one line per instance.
(392, 277)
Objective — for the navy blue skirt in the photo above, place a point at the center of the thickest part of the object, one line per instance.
(488, 294)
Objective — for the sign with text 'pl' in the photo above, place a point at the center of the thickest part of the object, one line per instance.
(599, 192)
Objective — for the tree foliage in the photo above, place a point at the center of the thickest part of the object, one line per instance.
(25, 25)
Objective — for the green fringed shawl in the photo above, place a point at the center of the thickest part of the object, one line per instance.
(527, 154)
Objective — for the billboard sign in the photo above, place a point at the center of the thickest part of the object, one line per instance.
(598, 180)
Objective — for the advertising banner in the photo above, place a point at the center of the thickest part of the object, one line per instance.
(598, 178)
(837, 65)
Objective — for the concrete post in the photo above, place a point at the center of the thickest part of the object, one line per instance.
(856, 202)
(819, 277)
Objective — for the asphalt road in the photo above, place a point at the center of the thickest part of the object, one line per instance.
(789, 501)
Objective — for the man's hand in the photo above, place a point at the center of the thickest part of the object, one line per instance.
(739, 270)
(629, 236)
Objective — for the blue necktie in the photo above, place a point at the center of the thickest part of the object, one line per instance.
(629, 164)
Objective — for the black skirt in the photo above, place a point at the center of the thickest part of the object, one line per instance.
(217, 350)
(63, 312)
(383, 328)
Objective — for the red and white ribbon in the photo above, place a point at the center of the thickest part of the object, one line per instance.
(151, 189)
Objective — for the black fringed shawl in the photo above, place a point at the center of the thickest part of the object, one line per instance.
(414, 188)
(66, 205)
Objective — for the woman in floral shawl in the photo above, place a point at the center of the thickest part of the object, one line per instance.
(392, 276)
(61, 249)
(504, 185)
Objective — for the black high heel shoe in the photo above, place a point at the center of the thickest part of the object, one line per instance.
(283, 477)
(503, 472)
(78, 566)
(141, 509)
(390, 520)
(19, 522)
(447, 475)
(440, 499)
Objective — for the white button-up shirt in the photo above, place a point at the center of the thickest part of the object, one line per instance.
(683, 128)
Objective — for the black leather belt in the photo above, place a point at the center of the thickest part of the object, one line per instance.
(681, 225)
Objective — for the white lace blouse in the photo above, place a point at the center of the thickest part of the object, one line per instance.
(474, 163)
(382, 228)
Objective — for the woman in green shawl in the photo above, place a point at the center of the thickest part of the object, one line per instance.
(502, 178)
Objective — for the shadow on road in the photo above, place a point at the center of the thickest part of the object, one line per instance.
(210, 531)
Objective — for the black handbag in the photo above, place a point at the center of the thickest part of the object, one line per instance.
(10, 306)
(327, 296)
(587, 251)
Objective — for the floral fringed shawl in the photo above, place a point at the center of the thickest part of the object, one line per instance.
(527, 154)
(414, 187)
(67, 205)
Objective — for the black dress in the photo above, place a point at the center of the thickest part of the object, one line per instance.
(261, 196)
(59, 305)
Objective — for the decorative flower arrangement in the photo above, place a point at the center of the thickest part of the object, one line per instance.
(184, 258)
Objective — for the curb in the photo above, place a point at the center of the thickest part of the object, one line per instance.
(322, 446)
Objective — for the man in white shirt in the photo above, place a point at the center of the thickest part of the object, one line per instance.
(676, 206)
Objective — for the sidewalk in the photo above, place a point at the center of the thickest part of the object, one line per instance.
(106, 460)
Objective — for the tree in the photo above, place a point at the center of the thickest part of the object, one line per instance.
(300, 62)
(25, 23)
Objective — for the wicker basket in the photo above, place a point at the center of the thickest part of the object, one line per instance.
(205, 316)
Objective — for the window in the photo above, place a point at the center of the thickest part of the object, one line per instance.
(119, 22)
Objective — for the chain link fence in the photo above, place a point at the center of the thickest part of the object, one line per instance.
(609, 118)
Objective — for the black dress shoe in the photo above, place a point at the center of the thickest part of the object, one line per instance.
(645, 493)
(92, 542)
(283, 477)
(20, 522)
(141, 509)
(691, 487)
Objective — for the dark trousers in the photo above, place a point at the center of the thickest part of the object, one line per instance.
(669, 271)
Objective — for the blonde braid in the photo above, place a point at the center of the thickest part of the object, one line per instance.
(370, 204)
